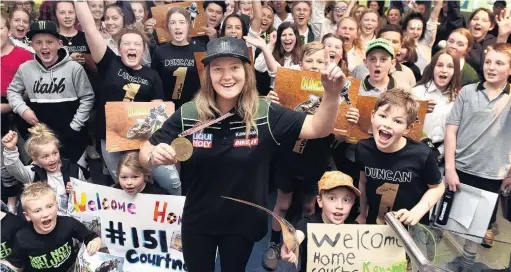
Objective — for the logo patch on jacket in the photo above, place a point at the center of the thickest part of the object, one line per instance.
(204, 140)
(245, 142)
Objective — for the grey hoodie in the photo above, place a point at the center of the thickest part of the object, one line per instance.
(61, 96)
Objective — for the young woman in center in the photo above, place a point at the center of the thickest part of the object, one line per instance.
(237, 160)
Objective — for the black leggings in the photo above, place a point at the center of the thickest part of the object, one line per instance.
(199, 251)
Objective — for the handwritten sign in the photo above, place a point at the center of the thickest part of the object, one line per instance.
(143, 229)
(197, 16)
(302, 90)
(354, 248)
(362, 130)
(97, 262)
(130, 124)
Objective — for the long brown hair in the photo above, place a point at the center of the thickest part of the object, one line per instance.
(465, 32)
(455, 85)
(247, 104)
(278, 50)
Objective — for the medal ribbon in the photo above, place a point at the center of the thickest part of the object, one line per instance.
(204, 125)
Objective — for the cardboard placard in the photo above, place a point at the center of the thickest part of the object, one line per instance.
(354, 248)
(97, 262)
(196, 12)
(299, 90)
(365, 105)
(200, 55)
(130, 124)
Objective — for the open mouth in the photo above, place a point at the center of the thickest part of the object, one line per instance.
(132, 56)
(384, 135)
(264, 23)
(442, 76)
(338, 216)
(288, 45)
(46, 223)
(346, 38)
(377, 72)
(68, 22)
(230, 85)
(491, 74)
(478, 28)
(212, 22)
(45, 54)
(178, 33)
(331, 55)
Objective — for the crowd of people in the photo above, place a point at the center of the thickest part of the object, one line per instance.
(62, 62)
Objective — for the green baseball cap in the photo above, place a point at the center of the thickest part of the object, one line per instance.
(382, 44)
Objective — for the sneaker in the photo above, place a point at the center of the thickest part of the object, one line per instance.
(488, 239)
(271, 256)
(92, 153)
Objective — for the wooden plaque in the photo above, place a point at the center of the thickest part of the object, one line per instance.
(197, 14)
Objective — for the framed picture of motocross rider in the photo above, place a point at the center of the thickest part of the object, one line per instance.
(130, 124)
(197, 18)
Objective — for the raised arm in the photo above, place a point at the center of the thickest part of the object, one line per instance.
(94, 38)
(317, 18)
(257, 9)
(259, 42)
(432, 24)
(436, 10)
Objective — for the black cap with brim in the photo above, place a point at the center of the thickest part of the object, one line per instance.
(226, 47)
(43, 27)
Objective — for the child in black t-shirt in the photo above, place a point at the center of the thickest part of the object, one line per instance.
(133, 178)
(47, 243)
(10, 224)
(336, 197)
(396, 173)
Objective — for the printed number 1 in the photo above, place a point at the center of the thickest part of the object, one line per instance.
(388, 192)
(180, 75)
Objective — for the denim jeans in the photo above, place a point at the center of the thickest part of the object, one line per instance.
(166, 176)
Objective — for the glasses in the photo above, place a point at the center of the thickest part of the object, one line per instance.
(23, 4)
(338, 9)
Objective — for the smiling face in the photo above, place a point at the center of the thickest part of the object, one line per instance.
(458, 43)
(178, 28)
(314, 62)
(279, 6)
(480, 25)
(131, 182)
(46, 47)
(214, 15)
(267, 19)
(378, 62)
(227, 77)
(113, 21)
(496, 67)
(139, 12)
(42, 212)
(333, 49)
(414, 29)
(347, 30)
(66, 16)
(301, 14)
(48, 157)
(388, 125)
(288, 39)
(246, 7)
(369, 23)
(339, 10)
(394, 17)
(336, 204)
(97, 8)
(443, 71)
(131, 50)
(374, 6)
(233, 28)
(19, 24)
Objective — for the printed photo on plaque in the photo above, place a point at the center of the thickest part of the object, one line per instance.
(98, 262)
(130, 124)
(362, 130)
(197, 17)
(303, 91)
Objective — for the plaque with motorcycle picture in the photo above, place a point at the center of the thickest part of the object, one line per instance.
(130, 124)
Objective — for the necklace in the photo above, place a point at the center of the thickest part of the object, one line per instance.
(69, 41)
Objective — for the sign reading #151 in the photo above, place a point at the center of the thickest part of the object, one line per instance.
(143, 229)
(354, 248)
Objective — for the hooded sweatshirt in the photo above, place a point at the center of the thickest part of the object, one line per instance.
(61, 95)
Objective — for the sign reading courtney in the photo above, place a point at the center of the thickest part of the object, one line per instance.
(354, 248)
(143, 229)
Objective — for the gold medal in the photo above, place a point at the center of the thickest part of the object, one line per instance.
(183, 148)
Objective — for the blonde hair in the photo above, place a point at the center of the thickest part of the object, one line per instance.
(131, 160)
(34, 191)
(246, 106)
(357, 43)
(40, 134)
(311, 48)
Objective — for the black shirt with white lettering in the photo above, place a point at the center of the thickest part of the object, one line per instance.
(395, 180)
(75, 44)
(121, 83)
(177, 69)
(302, 226)
(10, 225)
(223, 164)
(49, 252)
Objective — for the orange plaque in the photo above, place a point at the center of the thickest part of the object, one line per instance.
(196, 13)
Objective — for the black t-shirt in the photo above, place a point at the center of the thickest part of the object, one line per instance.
(52, 251)
(121, 83)
(177, 69)
(75, 44)
(395, 180)
(150, 188)
(302, 226)
(10, 225)
(222, 164)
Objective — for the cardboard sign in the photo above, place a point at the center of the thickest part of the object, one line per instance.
(97, 262)
(197, 16)
(354, 248)
(130, 124)
(362, 130)
(137, 227)
(302, 91)
(200, 55)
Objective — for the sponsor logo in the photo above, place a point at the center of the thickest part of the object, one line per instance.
(245, 142)
(203, 140)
